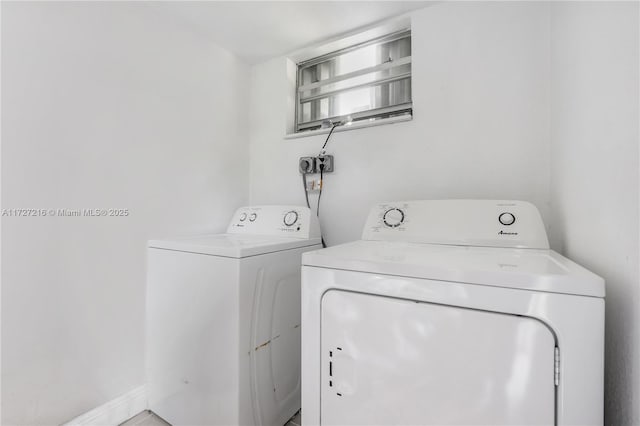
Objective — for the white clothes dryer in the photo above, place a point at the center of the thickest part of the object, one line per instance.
(451, 312)
(223, 320)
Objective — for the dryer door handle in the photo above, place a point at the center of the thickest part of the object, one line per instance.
(342, 372)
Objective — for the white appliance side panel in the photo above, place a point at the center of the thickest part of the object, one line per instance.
(392, 361)
(270, 334)
(192, 337)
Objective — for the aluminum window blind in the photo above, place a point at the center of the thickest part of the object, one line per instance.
(368, 81)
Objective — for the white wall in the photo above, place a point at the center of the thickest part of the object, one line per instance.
(104, 106)
(480, 127)
(594, 173)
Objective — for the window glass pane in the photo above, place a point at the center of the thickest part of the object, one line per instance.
(355, 81)
(354, 60)
(357, 100)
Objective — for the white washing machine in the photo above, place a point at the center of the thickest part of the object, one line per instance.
(223, 320)
(451, 312)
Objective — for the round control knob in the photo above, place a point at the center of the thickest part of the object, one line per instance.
(252, 217)
(290, 218)
(393, 217)
(243, 217)
(506, 219)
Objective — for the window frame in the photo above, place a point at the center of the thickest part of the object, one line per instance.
(371, 115)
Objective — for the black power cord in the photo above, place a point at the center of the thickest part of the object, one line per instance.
(324, 245)
(321, 166)
(320, 191)
(329, 135)
(306, 197)
(322, 176)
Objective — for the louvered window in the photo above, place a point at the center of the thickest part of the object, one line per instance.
(367, 81)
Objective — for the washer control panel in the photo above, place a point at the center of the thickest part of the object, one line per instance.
(287, 221)
(490, 223)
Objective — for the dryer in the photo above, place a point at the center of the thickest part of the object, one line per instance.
(223, 320)
(451, 312)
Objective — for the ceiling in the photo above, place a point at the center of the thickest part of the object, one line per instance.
(260, 30)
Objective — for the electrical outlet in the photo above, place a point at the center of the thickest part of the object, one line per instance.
(307, 165)
(325, 162)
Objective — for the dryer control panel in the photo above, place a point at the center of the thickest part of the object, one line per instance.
(287, 221)
(488, 223)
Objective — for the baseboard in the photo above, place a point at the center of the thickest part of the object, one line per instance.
(115, 411)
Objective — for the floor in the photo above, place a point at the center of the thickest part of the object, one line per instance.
(146, 418)
(295, 420)
(149, 418)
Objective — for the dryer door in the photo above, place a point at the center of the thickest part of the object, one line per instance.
(390, 361)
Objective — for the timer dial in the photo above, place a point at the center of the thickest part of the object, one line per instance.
(290, 218)
(393, 217)
(507, 218)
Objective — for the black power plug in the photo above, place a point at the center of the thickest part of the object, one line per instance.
(324, 163)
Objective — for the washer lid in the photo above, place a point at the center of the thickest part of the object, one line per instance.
(232, 245)
(526, 269)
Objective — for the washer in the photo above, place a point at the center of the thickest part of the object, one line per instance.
(451, 312)
(223, 320)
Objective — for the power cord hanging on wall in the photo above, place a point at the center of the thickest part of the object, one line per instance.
(322, 163)
(306, 197)
(321, 167)
(329, 135)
